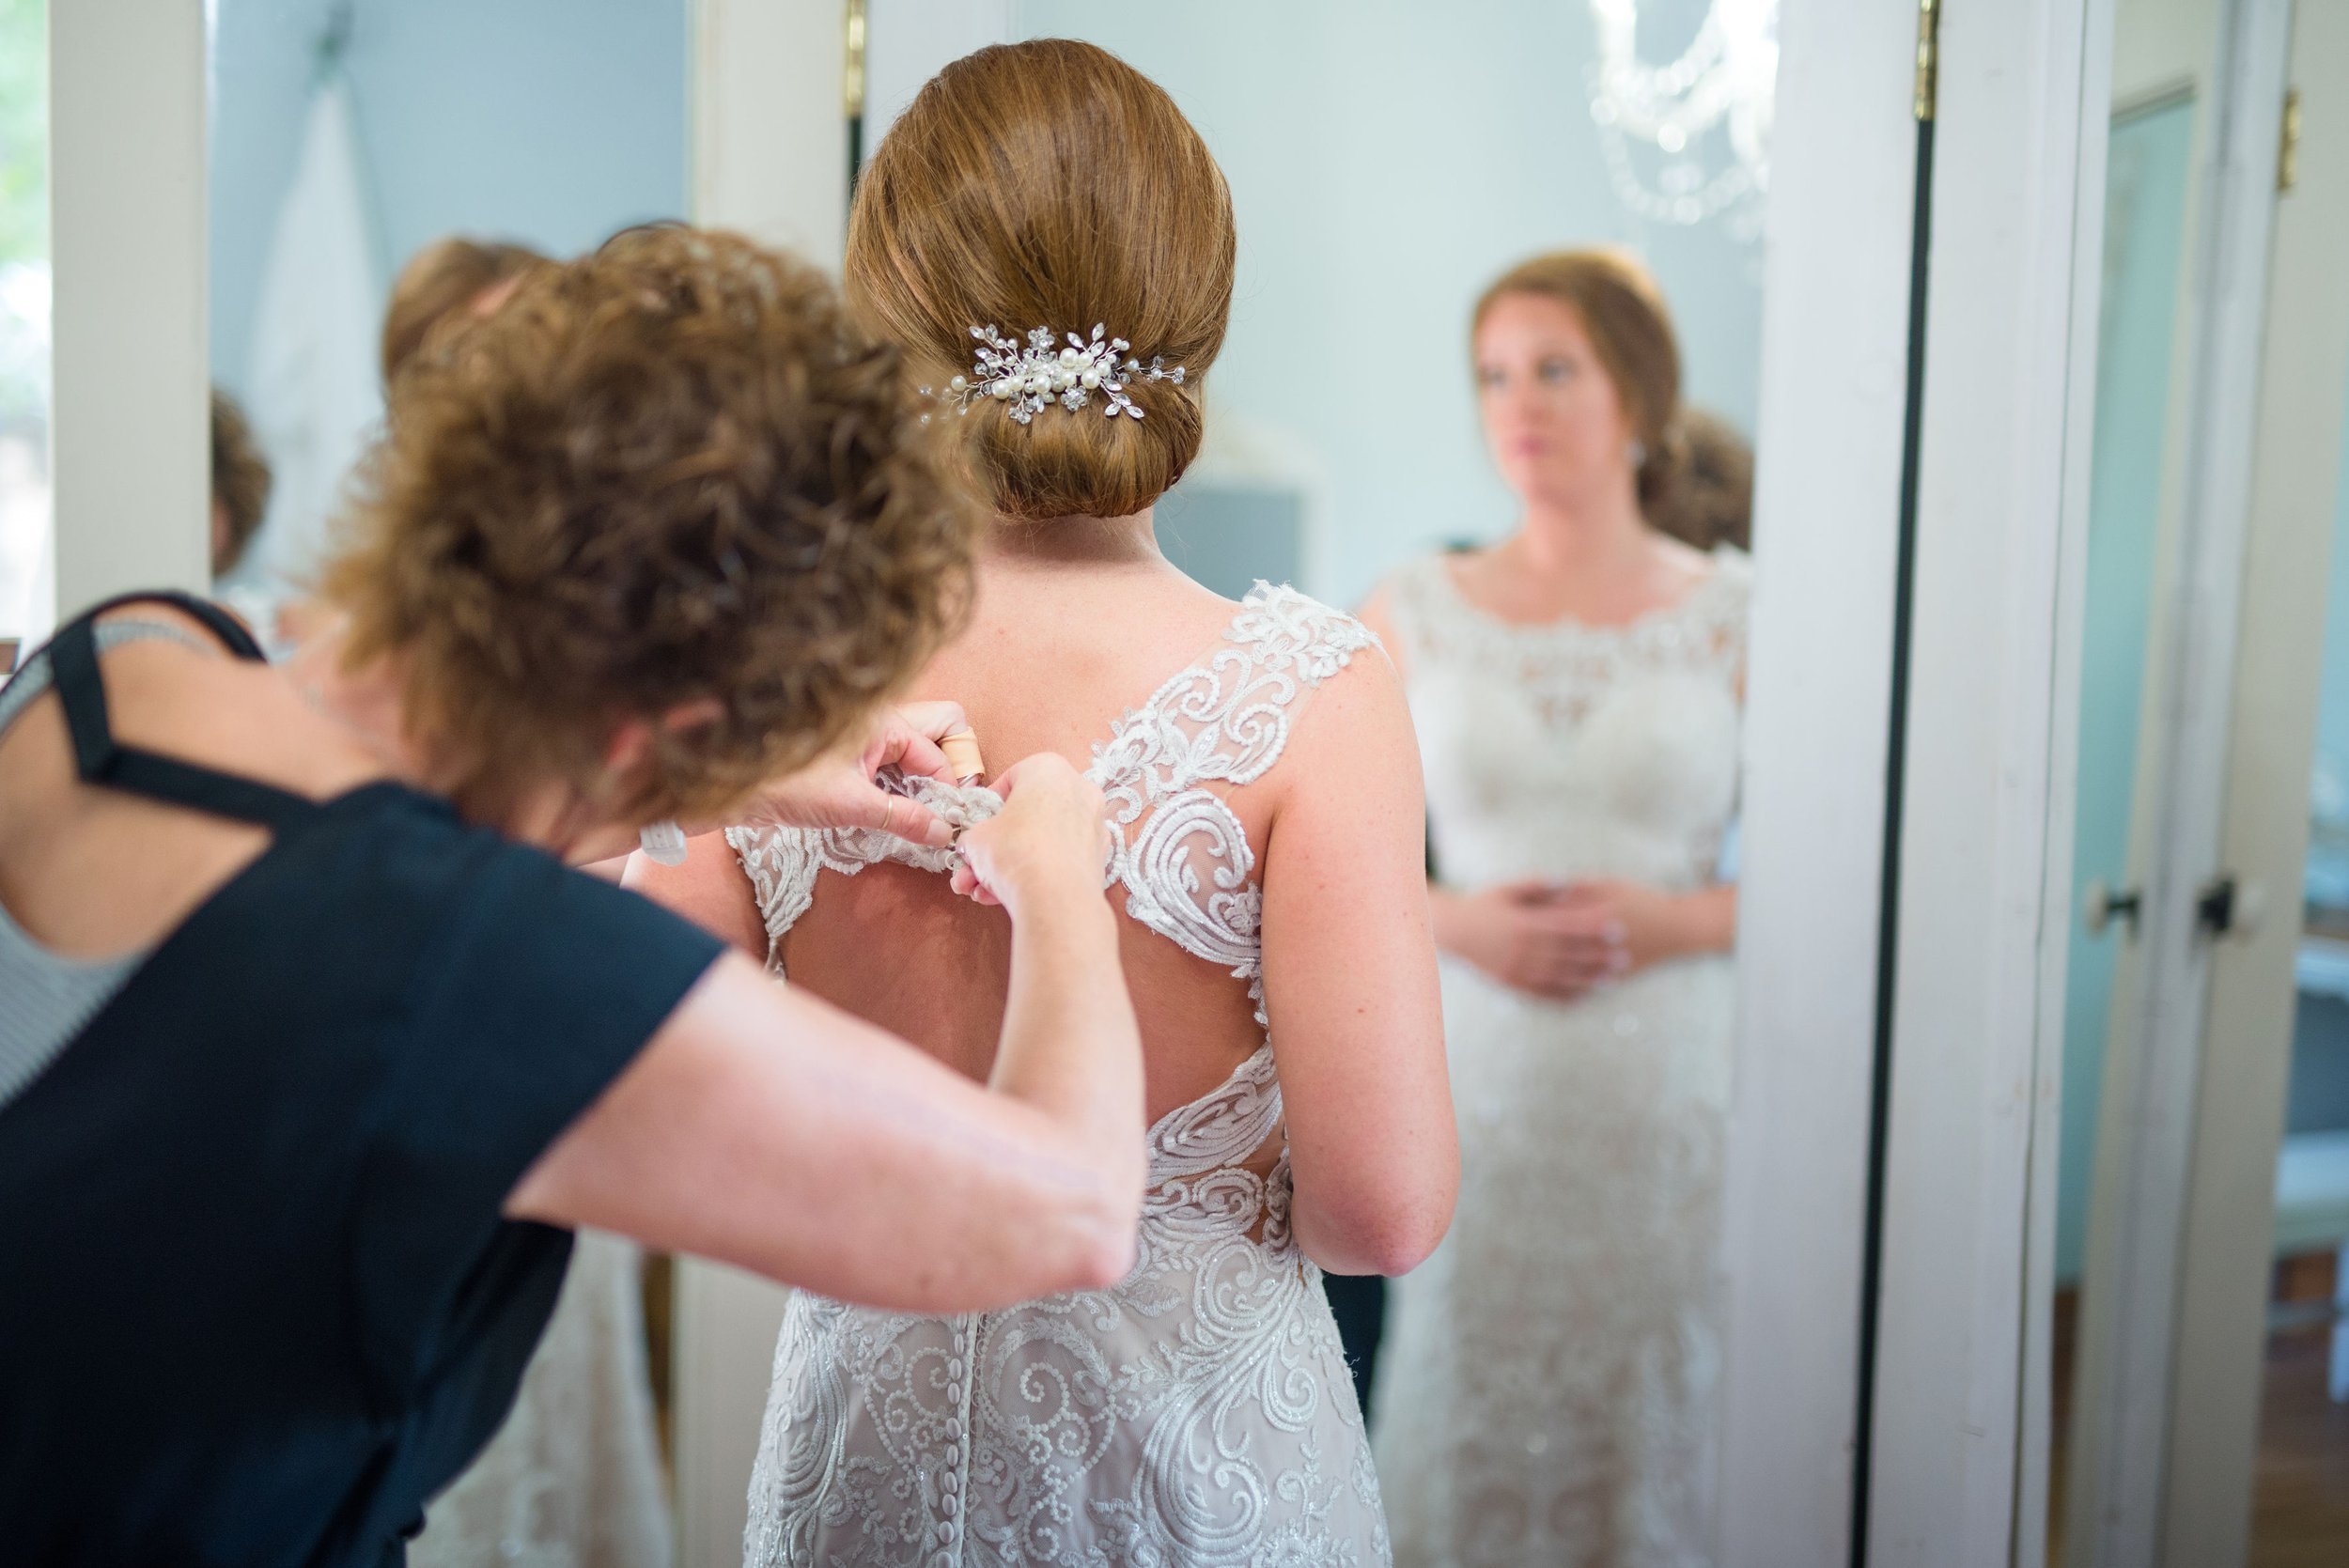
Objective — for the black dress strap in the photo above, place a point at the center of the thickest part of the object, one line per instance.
(100, 759)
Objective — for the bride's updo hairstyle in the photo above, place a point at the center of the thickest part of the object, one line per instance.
(1050, 184)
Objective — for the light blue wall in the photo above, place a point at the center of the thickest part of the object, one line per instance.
(549, 121)
(2319, 1099)
(1386, 158)
(2328, 860)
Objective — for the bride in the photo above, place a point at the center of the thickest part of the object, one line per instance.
(1266, 858)
(1547, 1395)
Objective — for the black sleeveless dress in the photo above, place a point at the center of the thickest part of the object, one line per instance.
(257, 1302)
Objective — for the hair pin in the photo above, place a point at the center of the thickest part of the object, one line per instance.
(1031, 377)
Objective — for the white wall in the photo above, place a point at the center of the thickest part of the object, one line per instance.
(129, 445)
(1386, 158)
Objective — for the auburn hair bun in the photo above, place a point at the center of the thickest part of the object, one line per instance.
(1050, 184)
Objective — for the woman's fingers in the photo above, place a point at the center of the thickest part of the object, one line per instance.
(1531, 890)
(1568, 948)
(967, 884)
(1052, 826)
(933, 720)
(906, 738)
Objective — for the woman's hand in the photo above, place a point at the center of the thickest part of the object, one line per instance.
(1534, 936)
(1561, 940)
(839, 792)
(1052, 834)
(1658, 926)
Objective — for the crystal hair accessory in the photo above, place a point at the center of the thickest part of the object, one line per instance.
(1031, 377)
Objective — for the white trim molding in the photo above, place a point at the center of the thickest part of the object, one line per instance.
(1977, 976)
(769, 122)
(131, 442)
(770, 159)
(1819, 698)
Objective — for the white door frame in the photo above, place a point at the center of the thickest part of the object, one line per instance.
(130, 418)
(1993, 679)
(770, 159)
(1834, 393)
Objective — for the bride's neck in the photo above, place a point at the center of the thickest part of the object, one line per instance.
(1014, 544)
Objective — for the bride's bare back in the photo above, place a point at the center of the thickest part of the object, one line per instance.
(1075, 624)
(1054, 654)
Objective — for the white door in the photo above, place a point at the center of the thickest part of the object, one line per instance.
(2280, 691)
(2186, 1039)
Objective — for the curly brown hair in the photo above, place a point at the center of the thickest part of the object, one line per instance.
(668, 476)
(446, 283)
(241, 481)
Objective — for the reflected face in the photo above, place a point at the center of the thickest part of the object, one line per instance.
(1553, 420)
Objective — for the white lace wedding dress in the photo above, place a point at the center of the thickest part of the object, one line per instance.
(572, 1480)
(1199, 1412)
(1546, 1391)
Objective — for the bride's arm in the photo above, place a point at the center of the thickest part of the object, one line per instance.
(765, 1128)
(1350, 983)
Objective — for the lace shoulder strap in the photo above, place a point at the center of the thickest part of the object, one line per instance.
(1219, 725)
(1181, 854)
(1723, 614)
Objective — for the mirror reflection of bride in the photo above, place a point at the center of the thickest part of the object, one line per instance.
(1548, 1388)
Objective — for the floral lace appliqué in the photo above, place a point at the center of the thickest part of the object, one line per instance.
(1199, 1412)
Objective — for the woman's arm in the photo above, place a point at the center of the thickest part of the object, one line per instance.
(765, 1128)
(1350, 983)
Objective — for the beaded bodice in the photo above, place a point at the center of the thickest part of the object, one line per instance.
(1569, 750)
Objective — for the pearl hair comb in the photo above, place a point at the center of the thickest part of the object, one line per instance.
(1031, 377)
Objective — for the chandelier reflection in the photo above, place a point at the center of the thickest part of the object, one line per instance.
(1701, 123)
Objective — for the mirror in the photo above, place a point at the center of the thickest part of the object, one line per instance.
(1359, 446)
(375, 166)
(1557, 1360)
(2201, 1308)
(348, 140)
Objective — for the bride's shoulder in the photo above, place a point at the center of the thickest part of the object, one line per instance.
(1348, 711)
(1293, 625)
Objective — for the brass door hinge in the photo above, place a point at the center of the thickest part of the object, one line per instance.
(853, 71)
(2287, 145)
(1928, 35)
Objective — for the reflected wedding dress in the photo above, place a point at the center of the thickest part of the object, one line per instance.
(1200, 1411)
(1546, 1390)
(572, 1480)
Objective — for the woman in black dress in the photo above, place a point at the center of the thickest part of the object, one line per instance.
(312, 1050)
